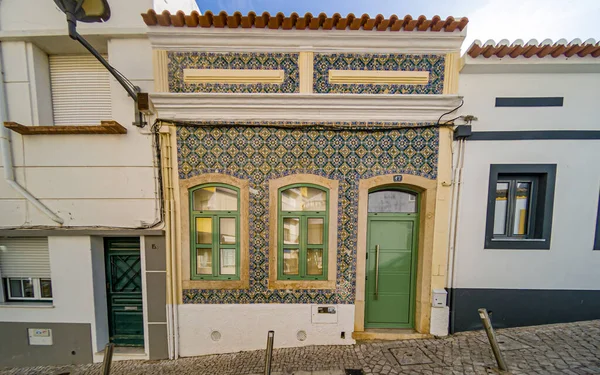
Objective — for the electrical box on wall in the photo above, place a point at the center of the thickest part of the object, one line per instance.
(39, 336)
(439, 297)
(324, 314)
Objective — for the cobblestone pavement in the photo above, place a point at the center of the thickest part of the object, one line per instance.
(553, 349)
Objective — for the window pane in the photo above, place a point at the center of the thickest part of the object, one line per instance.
(501, 207)
(227, 262)
(46, 286)
(204, 262)
(204, 230)
(291, 230)
(15, 288)
(315, 231)
(522, 207)
(215, 198)
(291, 261)
(303, 198)
(28, 288)
(314, 260)
(227, 229)
(392, 201)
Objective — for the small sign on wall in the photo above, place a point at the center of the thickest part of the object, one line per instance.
(40, 336)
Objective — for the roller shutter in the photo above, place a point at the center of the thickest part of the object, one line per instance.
(24, 257)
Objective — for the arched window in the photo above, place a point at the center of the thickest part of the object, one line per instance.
(215, 232)
(303, 235)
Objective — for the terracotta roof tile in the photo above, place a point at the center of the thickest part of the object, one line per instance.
(308, 21)
(532, 48)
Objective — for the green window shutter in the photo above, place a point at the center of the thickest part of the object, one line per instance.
(303, 235)
(214, 232)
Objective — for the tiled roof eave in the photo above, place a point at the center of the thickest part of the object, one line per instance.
(532, 49)
(307, 22)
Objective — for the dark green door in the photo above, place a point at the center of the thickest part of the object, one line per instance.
(124, 292)
(391, 267)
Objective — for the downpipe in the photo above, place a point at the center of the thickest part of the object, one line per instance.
(6, 151)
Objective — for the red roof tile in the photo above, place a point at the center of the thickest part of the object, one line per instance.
(533, 48)
(294, 21)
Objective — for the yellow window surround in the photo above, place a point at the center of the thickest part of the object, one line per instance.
(234, 76)
(379, 77)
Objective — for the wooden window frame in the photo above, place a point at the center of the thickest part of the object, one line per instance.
(541, 206)
(215, 246)
(303, 245)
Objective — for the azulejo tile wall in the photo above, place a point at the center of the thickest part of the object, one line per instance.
(261, 153)
(323, 63)
(288, 62)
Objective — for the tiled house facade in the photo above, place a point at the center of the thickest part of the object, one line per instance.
(264, 120)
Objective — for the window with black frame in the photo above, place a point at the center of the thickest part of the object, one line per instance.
(520, 202)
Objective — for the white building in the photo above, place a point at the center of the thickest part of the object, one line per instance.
(528, 231)
(70, 201)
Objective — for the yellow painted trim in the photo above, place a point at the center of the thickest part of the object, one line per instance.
(233, 76)
(379, 77)
(451, 69)
(160, 64)
(274, 186)
(243, 185)
(389, 334)
(427, 189)
(306, 66)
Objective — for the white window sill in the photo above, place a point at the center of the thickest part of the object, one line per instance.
(21, 305)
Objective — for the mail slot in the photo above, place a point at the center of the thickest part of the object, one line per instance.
(129, 308)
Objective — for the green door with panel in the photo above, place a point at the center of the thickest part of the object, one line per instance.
(391, 259)
(124, 292)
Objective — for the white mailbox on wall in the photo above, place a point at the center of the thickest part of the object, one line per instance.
(440, 297)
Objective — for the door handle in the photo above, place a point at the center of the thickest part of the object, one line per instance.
(376, 271)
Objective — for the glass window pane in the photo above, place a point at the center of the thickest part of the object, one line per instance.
(215, 198)
(204, 230)
(522, 207)
(315, 231)
(46, 287)
(291, 231)
(501, 207)
(28, 288)
(291, 261)
(392, 201)
(314, 262)
(15, 288)
(227, 229)
(303, 198)
(204, 262)
(227, 262)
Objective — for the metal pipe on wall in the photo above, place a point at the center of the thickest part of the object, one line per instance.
(6, 151)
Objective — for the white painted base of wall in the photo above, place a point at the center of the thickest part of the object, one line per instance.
(440, 319)
(245, 327)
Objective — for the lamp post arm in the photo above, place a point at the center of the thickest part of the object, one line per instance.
(75, 36)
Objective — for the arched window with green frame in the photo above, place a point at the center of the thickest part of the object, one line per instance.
(303, 212)
(215, 232)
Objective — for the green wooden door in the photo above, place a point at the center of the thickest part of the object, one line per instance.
(124, 292)
(391, 264)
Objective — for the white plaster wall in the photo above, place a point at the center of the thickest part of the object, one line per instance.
(72, 287)
(570, 263)
(581, 94)
(88, 180)
(100, 302)
(197, 321)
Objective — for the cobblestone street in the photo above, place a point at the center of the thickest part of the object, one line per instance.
(554, 349)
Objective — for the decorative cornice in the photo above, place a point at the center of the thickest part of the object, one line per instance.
(265, 40)
(302, 107)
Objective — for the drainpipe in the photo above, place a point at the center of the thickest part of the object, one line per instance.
(5, 149)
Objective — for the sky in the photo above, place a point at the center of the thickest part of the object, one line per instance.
(488, 19)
